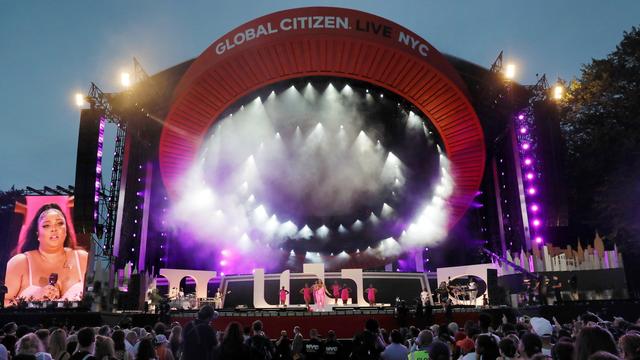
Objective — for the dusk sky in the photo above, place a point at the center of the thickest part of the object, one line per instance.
(50, 50)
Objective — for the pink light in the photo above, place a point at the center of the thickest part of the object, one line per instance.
(536, 222)
(221, 274)
(520, 117)
(538, 240)
(530, 176)
(532, 191)
(523, 130)
(223, 262)
(225, 252)
(525, 146)
(535, 208)
(527, 161)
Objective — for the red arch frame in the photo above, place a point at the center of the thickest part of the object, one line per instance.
(216, 80)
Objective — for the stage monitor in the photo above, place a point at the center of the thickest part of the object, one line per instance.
(44, 261)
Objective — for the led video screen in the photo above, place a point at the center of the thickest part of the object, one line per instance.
(45, 263)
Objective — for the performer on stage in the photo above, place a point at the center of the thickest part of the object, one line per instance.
(424, 297)
(371, 295)
(336, 291)
(344, 294)
(573, 283)
(173, 293)
(283, 296)
(217, 300)
(543, 290)
(306, 293)
(319, 295)
(556, 285)
(473, 291)
(443, 293)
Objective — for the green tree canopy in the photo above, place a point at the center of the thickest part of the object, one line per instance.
(601, 125)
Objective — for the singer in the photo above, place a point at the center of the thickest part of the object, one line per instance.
(47, 266)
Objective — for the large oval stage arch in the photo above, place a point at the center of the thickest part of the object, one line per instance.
(325, 41)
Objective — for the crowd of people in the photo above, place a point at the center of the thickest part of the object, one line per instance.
(586, 338)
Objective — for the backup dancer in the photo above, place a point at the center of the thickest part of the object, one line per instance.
(336, 291)
(283, 296)
(344, 294)
(424, 297)
(306, 293)
(371, 295)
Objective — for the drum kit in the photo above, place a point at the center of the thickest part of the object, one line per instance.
(191, 302)
(184, 302)
(462, 294)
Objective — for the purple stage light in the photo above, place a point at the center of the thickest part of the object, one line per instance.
(523, 130)
(538, 239)
(536, 222)
(531, 191)
(520, 117)
(535, 208)
(527, 161)
(223, 262)
(525, 146)
(225, 252)
(530, 176)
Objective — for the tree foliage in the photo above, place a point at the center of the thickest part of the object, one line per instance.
(601, 124)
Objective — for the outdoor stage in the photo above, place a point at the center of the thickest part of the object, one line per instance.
(372, 174)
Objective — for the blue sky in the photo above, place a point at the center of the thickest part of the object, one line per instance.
(51, 49)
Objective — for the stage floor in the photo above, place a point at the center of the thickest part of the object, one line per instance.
(344, 321)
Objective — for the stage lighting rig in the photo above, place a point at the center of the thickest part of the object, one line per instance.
(539, 91)
(48, 191)
(67, 191)
(558, 92)
(510, 71)
(108, 200)
(496, 67)
(125, 79)
(80, 100)
(502, 260)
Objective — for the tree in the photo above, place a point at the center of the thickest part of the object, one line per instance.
(600, 120)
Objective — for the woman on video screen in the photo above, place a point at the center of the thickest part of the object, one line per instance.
(47, 266)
